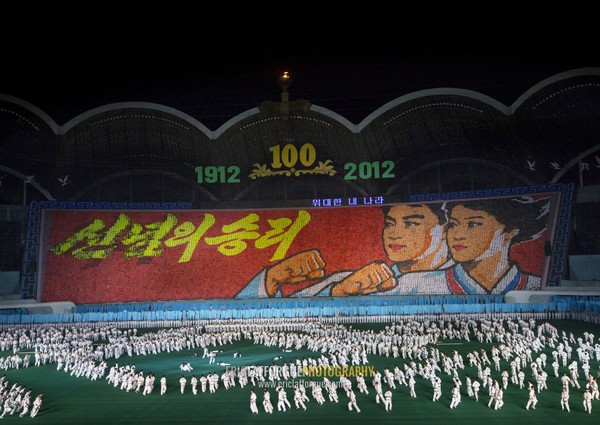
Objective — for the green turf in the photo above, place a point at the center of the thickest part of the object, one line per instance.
(72, 400)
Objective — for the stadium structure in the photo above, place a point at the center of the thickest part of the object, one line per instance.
(136, 211)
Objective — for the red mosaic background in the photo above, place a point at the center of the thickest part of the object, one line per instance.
(347, 239)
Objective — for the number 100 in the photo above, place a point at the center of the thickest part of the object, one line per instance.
(289, 155)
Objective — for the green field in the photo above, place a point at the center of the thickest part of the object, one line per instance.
(73, 400)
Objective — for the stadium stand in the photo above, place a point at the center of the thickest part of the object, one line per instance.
(442, 141)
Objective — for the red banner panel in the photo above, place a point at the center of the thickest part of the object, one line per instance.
(103, 256)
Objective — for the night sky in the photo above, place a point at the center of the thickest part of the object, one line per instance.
(216, 62)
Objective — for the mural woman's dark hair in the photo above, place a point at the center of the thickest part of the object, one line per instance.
(528, 215)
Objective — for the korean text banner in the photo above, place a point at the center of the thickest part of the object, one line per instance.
(98, 256)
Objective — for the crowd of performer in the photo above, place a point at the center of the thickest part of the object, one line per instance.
(517, 359)
(17, 399)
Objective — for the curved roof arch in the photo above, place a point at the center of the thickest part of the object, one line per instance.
(337, 117)
(555, 119)
(234, 121)
(506, 110)
(573, 162)
(551, 80)
(32, 108)
(33, 183)
(134, 105)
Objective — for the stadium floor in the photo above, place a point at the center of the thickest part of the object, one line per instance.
(78, 400)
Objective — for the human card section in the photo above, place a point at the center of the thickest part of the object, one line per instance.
(102, 256)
